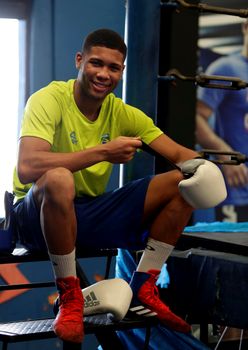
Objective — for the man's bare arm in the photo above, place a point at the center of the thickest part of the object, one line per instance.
(35, 156)
(171, 150)
(205, 135)
(207, 138)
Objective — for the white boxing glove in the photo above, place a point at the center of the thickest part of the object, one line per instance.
(204, 185)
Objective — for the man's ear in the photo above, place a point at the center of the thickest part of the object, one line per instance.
(78, 59)
(123, 68)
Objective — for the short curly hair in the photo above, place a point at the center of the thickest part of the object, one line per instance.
(106, 38)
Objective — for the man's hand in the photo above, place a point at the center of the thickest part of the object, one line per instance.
(122, 149)
(236, 175)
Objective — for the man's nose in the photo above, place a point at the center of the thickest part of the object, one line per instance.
(103, 73)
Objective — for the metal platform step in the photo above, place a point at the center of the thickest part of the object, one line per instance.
(16, 331)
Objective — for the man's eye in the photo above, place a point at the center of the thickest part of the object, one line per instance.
(114, 69)
(96, 63)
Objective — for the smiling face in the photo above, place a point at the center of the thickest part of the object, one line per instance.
(100, 70)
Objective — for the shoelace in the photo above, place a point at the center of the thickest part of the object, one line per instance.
(152, 293)
(74, 298)
(153, 289)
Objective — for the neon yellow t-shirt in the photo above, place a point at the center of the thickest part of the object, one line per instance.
(52, 114)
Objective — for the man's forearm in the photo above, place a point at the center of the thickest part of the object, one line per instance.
(32, 167)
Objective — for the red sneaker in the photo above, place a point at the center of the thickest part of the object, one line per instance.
(68, 324)
(146, 292)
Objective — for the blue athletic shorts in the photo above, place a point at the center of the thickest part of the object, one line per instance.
(112, 220)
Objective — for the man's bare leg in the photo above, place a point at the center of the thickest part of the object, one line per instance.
(54, 194)
(165, 211)
(166, 214)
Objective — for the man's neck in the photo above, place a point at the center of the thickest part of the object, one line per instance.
(88, 106)
(90, 111)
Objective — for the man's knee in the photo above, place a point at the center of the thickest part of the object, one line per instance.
(166, 184)
(162, 189)
(55, 184)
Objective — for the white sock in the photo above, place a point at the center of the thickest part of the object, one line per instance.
(154, 256)
(64, 265)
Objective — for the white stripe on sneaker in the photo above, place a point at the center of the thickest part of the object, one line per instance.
(142, 311)
(135, 308)
(151, 314)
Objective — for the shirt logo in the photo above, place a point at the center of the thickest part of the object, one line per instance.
(73, 137)
(105, 138)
